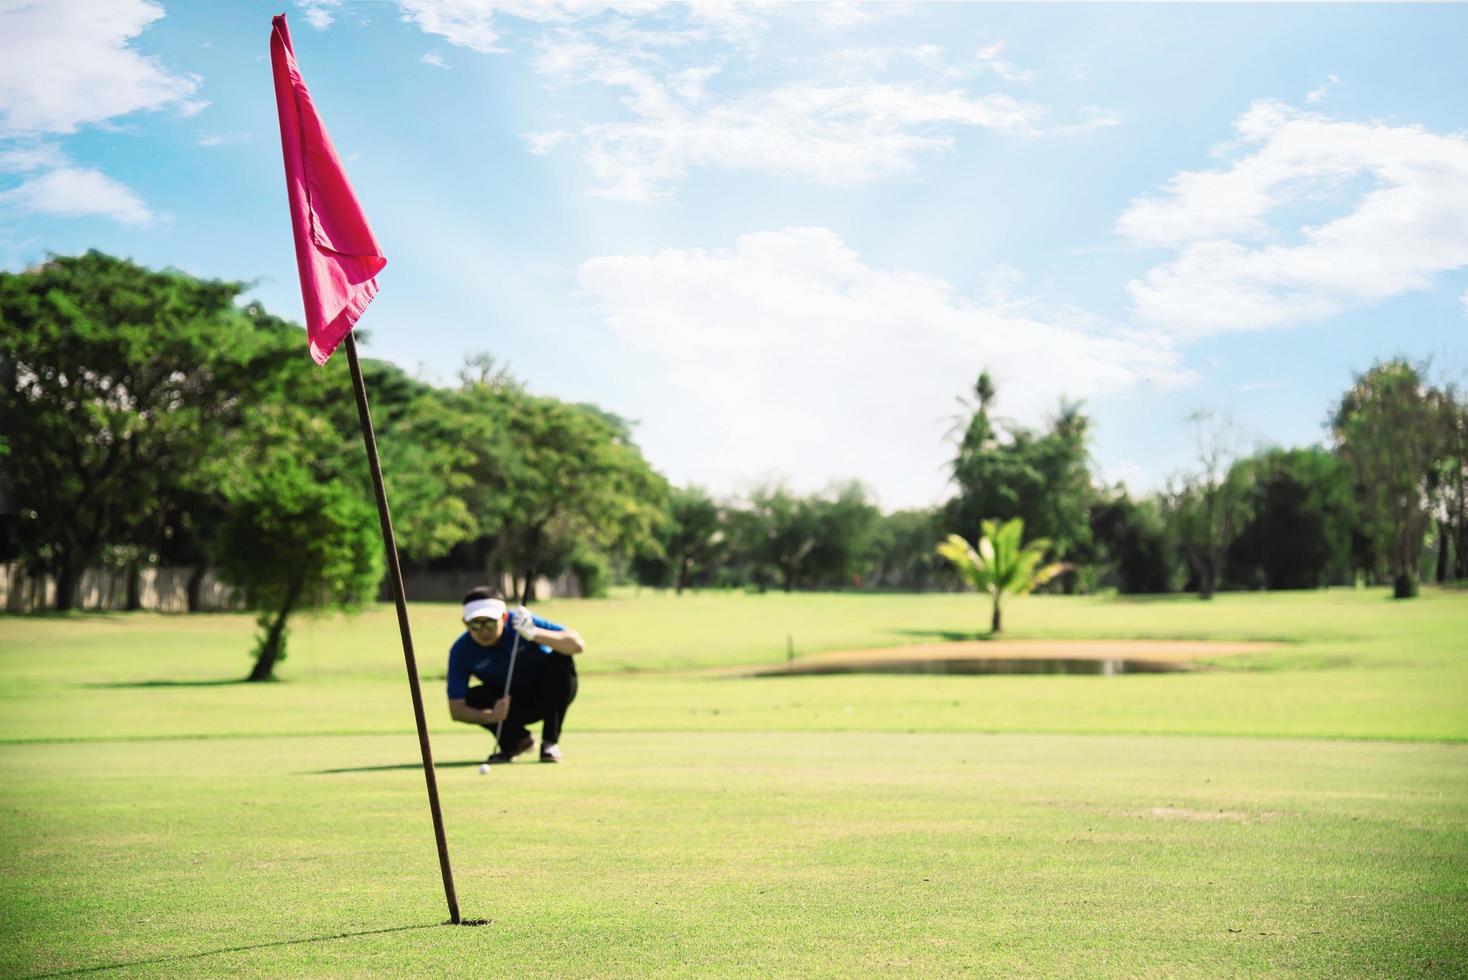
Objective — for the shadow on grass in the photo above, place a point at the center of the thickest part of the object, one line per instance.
(145, 684)
(230, 949)
(954, 635)
(394, 768)
(74, 615)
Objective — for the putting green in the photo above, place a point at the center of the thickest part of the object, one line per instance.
(1297, 810)
(724, 854)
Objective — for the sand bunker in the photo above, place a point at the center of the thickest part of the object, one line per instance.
(1022, 657)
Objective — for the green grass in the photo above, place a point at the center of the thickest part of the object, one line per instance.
(1354, 664)
(158, 821)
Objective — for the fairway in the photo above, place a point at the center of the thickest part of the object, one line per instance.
(162, 820)
(733, 489)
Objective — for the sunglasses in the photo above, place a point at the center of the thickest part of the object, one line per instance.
(481, 624)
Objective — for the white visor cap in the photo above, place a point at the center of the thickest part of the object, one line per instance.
(483, 609)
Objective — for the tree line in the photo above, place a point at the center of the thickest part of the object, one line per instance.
(1384, 503)
(150, 418)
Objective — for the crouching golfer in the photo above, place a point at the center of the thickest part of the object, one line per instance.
(543, 685)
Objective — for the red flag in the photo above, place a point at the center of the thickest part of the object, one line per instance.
(335, 251)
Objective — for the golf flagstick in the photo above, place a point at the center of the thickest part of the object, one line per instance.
(395, 571)
(338, 259)
(514, 649)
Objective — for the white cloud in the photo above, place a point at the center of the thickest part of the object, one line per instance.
(827, 131)
(681, 73)
(792, 353)
(463, 23)
(542, 143)
(838, 14)
(1319, 94)
(320, 13)
(221, 139)
(74, 192)
(27, 156)
(989, 55)
(1235, 270)
(434, 59)
(863, 62)
(65, 189)
(68, 63)
(472, 23)
(729, 19)
(1092, 119)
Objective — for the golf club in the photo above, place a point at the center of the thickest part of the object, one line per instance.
(509, 676)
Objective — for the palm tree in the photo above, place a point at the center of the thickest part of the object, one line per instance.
(1001, 566)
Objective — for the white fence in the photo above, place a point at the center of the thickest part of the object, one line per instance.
(165, 589)
(161, 589)
(450, 586)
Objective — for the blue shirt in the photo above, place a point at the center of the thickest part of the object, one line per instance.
(490, 664)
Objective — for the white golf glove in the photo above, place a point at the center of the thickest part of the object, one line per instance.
(524, 624)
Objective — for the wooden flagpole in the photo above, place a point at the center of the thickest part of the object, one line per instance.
(395, 572)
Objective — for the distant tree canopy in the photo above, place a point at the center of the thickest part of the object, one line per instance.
(156, 416)
(298, 530)
(1005, 471)
(1385, 430)
(694, 540)
(149, 417)
(534, 481)
(1297, 533)
(117, 383)
(1447, 483)
(1135, 546)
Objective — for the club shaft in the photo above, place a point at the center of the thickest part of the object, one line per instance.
(509, 676)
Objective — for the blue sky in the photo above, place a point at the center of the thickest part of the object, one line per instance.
(784, 238)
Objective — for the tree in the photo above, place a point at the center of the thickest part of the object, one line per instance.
(117, 382)
(292, 542)
(844, 525)
(1448, 483)
(1300, 511)
(502, 480)
(576, 476)
(1384, 430)
(1001, 565)
(425, 485)
(746, 562)
(694, 536)
(784, 531)
(1061, 512)
(474, 420)
(1135, 544)
(903, 548)
(481, 369)
(300, 530)
(991, 477)
(1003, 470)
(1204, 508)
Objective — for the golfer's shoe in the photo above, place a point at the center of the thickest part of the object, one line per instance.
(550, 753)
(503, 756)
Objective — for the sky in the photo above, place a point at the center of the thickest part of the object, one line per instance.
(784, 239)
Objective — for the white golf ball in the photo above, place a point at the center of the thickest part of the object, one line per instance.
(484, 769)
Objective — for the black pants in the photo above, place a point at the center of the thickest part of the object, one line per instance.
(545, 699)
